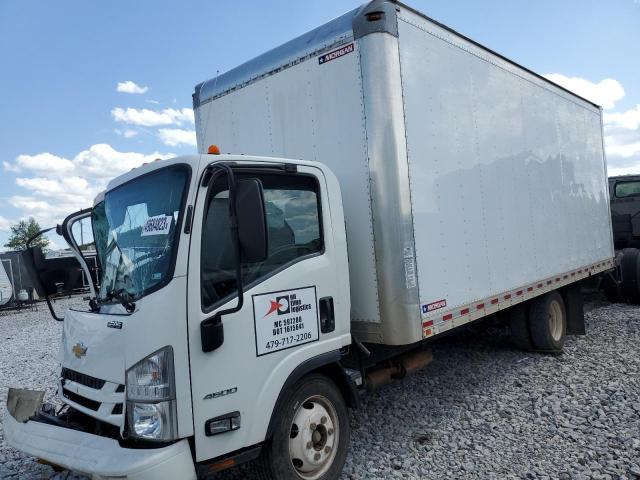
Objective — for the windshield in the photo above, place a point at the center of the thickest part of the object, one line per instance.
(136, 234)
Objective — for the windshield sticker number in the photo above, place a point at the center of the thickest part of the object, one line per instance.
(285, 319)
(158, 225)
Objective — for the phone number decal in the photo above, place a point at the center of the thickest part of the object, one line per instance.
(285, 319)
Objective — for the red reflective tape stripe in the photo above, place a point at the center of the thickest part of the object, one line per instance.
(507, 297)
(480, 306)
(549, 282)
(566, 276)
(448, 317)
(579, 271)
(464, 311)
(530, 289)
(428, 323)
(494, 301)
(558, 279)
(519, 292)
(539, 285)
(573, 274)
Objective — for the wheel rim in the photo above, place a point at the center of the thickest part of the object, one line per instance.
(314, 437)
(555, 320)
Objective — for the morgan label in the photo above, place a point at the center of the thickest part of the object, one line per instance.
(327, 57)
(285, 319)
(158, 225)
(430, 307)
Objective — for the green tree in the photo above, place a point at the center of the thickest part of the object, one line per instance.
(23, 231)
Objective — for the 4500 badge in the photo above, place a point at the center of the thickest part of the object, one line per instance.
(285, 319)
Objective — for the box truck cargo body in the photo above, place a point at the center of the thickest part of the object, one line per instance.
(468, 181)
(391, 180)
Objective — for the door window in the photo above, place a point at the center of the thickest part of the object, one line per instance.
(292, 204)
(627, 189)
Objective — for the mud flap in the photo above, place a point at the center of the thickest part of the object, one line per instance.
(23, 404)
(574, 305)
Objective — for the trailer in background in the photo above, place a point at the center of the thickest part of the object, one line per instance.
(6, 285)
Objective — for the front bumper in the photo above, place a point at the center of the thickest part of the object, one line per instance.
(101, 457)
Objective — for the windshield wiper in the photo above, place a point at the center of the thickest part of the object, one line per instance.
(123, 297)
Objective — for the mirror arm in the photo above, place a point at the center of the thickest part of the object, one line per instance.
(51, 310)
(211, 329)
(30, 250)
(41, 232)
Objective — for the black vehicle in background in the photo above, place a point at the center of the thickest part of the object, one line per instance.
(623, 285)
(625, 211)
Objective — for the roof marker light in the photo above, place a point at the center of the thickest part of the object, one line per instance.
(213, 150)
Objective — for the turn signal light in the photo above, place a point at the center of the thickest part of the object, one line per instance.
(213, 150)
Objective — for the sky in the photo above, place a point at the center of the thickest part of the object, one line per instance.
(91, 89)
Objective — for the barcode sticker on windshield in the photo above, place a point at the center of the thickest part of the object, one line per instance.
(158, 225)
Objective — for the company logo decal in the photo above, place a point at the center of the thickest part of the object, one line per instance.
(79, 350)
(114, 324)
(327, 57)
(285, 319)
(430, 307)
(287, 304)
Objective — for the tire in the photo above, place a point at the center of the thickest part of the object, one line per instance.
(519, 327)
(630, 270)
(311, 435)
(548, 322)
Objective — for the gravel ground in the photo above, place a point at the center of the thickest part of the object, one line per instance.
(480, 410)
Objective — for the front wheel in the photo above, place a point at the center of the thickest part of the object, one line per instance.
(311, 435)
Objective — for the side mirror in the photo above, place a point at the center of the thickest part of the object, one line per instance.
(252, 221)
(253, 244)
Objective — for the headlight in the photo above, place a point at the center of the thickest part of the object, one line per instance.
(151, 397)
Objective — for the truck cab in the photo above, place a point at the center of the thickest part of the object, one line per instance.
(625, 206)
(169, 372)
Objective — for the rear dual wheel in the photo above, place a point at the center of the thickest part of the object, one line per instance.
(311, 436)
(540, 324)
(630, 271)
(548, 322)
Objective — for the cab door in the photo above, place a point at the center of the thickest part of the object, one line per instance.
(278, 326)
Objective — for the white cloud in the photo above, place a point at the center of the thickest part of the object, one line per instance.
(127, 133)
(103, 161)
(176, 136)
(43, 162)
(605, 93)
(152, 118)
(621, 129)
(9, 167)
(4, 224)
(622, 141)
(131, 87)
(629, 120)
(59, 186)
(625, 151)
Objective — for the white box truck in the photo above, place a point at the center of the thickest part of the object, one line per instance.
(399, 181)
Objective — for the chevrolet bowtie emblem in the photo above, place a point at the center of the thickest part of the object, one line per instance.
(79, 350)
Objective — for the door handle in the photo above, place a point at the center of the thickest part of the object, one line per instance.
(327, 315)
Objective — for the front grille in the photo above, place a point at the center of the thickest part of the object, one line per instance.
(81, 378)
(80, 400)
